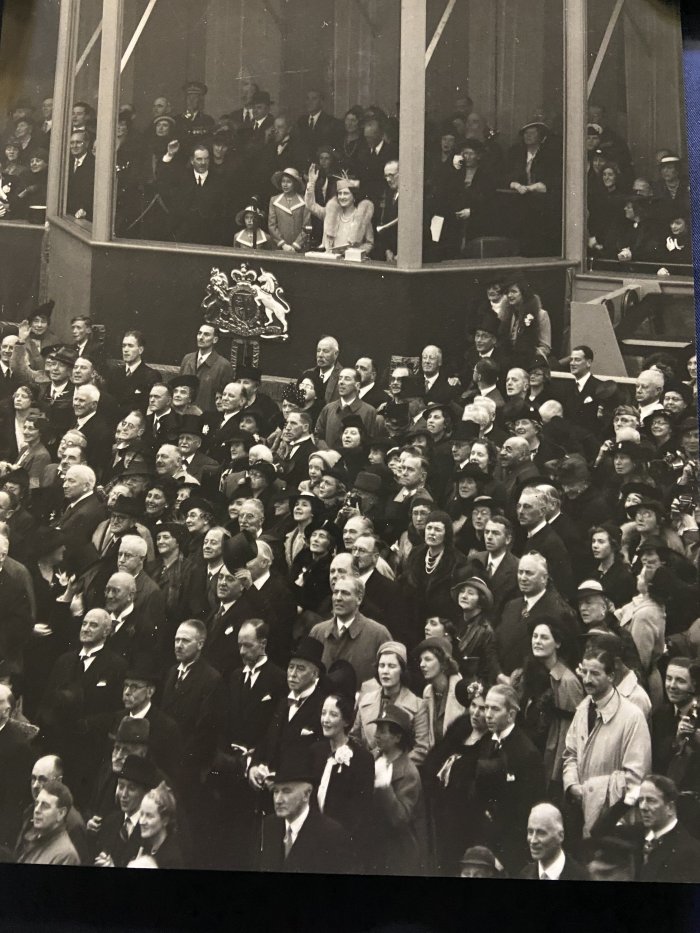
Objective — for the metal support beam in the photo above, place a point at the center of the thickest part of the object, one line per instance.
(439, 31)
(607, 36)
(137, 35)
(411, 133)
(575, 59)
(62, 99)
(107, 114)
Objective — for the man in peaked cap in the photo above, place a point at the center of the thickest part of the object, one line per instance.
(297, 718)
(238, 601)
(298, 838)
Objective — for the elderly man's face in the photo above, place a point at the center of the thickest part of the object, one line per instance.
(6, 348)
(300, 674)
(412, 473)
(200, 161)
(122, 750)
(78, 145)
(74, 485)
(129, 560)
(249, 519)
(532, 577)
(188, 644)
(117, 595)
(516, 382)
(430, 361)
(344, 597)
(530, 510)
(290, 799)
(646, 390)
(167, 461)
(228, 586)
(341, 566)
(47, 814)
(353, 528)
(510, 453)
(326, 354)
(544, 837)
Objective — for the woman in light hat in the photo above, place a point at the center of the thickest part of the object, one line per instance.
(252, 236)
(288, 215)
(441, 675)
(347, 220)
(390, 689)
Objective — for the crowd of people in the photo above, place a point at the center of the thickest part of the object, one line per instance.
(437, 620)
(253, 179)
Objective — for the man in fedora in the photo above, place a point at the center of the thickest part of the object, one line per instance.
(298, 838)
(297, 718)
(118, 839)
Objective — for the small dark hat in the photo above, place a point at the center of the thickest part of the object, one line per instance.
(177, 530)
(628, 448)
(45, 310)
(325, 524)
(267, 470)
(354, 421)
(685, 392)
(132, 731)
(19, 475)
(249, 372)
(317, 506)
(46, 541)
(646, 490)
(653, 543)
(261, 97)
(66, 355)
(126, 505)
(611, 851)
(242, 437)
(608, 641)
(51, 350)
(293, 394)
(166, 117)
(143, 668)
(198, 502)
(480, 855)
(653, 504)
(398, 717)
(464, 576)
(311, 650)
(252, 208)
(573, 468)
(367, 482)
(439, 643)
(191, 382)
(140, 771)
(396, 411)
(191, 424)
(524, 410)
(540, 124)
(471, 471)
(199, 86)
(341, 678)
(295, 767)
(484, 502)
(538, 361)
(238, 550)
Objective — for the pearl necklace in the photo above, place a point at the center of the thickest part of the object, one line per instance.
(350, 218)
(431, 562)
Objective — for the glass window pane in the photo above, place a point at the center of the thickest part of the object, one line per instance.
(80, 163)
(636, 138)
(234, 100)
(27, 55)
(494, 104)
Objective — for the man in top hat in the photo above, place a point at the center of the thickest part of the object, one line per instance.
(348, 634)
(298, 838)
(238, 601)
(82, 685)
(297, 718)
(162, 423)
(194, 124)
(484, 345)
(545, 839)
(213, 371)
(189, 442)
(118, 839)
(141, 681)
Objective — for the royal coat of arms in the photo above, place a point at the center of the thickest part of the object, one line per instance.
(251, 305)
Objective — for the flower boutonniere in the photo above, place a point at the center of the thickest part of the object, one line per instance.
(205, 429)
(528, 319)
(343, 757)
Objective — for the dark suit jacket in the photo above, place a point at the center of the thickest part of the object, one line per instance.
(573, 871)
(280, 612)
(221, 647)
(384, 603)
(78, 522)
(16, 760)
(110, 841)
(195, 210)
(441, 392)
(164, 739)
(553, 549)
(15, 619)
(327, 131)
(504, 583)
(197, 706)
(321, 846)
(100, 436)
(508, 784)
(73, 694)
(296, 469)
(370, 168)
(284, 734)
(59, 410)
(250, 709)
(350, 790)
(512, 635)
(219, 437)
(331, 386)
(81, 183)
(167, 432)
(202, 467)
(577, 409)
(137, 637)
(675, 858)
(131, 392)
(149, 601)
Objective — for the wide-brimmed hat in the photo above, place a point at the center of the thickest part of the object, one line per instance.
(589, 588)
(465, 577)
(311, 650)
(292, 173)
(140, 771)
(239, 550)
(251, 208)
(653, 504)
(471, 471)
(265, 469)
(354, 421)
(132, 731)
(399, 717)
(367, 482)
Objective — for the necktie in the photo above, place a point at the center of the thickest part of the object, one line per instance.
(427, 384)
(311, 123)
(649, 846)
(497, 745)
(489, 568)
(76, 166)
(85, 658)
(180, 680)
(288, 841)
(247, 118)
(545, 877)
(592, 715)
(248, 679)
(127, 372)
(525, 614)
(124, 832)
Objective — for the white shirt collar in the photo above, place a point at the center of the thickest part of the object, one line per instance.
(365, 389)
(506, 732)
(297, 697)
(533, 531)
(84, 420)
(256, 668)
(295, 825)
(142, 714)
(582, 380)
(85, 495)
(531, 600)
(555, 869)
(185, 668)
(430, 380)
(325, 374)
(495, 562)
(91, 652)
(262, 580)
(202, 175)
(203, 355)
(651, 835)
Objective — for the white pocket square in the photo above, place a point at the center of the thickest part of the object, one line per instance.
(264, 699)
(101, 683)
(306, 732)
(229, 630)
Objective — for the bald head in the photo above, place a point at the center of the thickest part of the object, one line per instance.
(545, 834)
(551, 409)
(47, 768)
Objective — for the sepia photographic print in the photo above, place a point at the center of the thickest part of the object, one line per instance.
(348, 439)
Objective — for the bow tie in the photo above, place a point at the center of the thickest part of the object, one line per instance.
(293, 702)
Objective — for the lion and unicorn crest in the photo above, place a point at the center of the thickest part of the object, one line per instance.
(251, 304)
